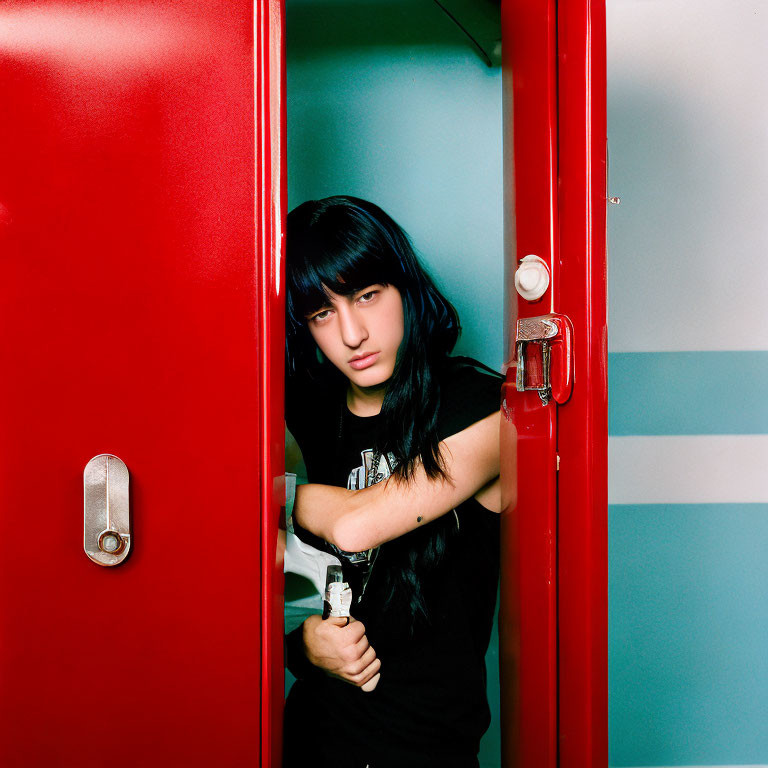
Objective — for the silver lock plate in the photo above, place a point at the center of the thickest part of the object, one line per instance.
(539, 331)
(544, 357)
(106, 521)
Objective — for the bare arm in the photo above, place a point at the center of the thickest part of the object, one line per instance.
(357, 520)
(490, 495)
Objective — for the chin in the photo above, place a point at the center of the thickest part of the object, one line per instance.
(370, 377)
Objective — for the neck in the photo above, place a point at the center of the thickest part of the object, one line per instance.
(365, 401)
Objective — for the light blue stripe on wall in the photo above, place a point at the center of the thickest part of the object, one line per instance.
(688, 634)
(687, 393)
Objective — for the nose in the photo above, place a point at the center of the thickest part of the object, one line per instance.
(353, 329)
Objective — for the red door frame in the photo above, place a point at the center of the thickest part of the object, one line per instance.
(271, 202)
(583, 421)
(553, 622)
(528, 612)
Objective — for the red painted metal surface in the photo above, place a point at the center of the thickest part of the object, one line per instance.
(553, 623)
(136, 320)
(270, 214)
(583, 422)
(528, 613)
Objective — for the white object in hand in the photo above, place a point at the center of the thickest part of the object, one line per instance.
(339, 597)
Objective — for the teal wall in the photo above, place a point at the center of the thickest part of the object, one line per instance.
(689, 633)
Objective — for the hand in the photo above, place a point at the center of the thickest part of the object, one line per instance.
(342, 650)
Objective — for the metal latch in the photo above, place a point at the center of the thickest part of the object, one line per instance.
(544, 349)
(106, 523)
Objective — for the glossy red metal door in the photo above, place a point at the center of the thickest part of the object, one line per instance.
(553, 624)
(582, 437)
(139, 296)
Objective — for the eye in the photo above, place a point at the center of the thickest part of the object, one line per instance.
(320, 316)
(367, 298)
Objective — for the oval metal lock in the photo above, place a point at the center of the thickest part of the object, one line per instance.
(106, 519)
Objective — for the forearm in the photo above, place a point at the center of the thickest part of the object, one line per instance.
(358, 520)
(325, 509)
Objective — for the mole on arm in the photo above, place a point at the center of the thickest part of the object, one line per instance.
(418, 519)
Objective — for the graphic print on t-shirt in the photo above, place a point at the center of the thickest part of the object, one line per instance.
(371, 471)
(374, 468)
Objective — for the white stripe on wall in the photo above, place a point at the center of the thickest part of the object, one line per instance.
(689, 469)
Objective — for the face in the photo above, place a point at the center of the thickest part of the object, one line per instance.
(360, 334)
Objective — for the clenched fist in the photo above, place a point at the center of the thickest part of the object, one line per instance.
(342, 650)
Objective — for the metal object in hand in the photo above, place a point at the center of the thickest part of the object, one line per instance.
(338, 596)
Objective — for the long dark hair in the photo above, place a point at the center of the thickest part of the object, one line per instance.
(344, 244)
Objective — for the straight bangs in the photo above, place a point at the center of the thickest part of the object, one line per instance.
(342, 273)
(335, 257)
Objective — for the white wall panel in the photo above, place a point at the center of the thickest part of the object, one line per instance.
(688, 141)
(689, 469)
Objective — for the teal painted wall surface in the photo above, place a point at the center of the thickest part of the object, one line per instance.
(688, 393)
(688, 629)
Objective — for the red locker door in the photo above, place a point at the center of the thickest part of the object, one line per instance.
(553, 624)
(140, 316)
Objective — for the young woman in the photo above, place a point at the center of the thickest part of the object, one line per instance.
(401, 445)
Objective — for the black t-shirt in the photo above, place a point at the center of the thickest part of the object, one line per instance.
(430, 703)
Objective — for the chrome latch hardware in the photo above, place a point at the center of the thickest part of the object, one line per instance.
(544, 351)
(106, 521)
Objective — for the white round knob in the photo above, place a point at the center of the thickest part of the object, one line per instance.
(532, 278)
(529, 279)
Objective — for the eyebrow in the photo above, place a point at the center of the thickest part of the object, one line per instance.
(328, 302)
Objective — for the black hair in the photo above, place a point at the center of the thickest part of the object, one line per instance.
(344, 244)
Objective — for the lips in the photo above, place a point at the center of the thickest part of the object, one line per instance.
(358, 363)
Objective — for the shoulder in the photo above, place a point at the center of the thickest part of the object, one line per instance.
(469, 391)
